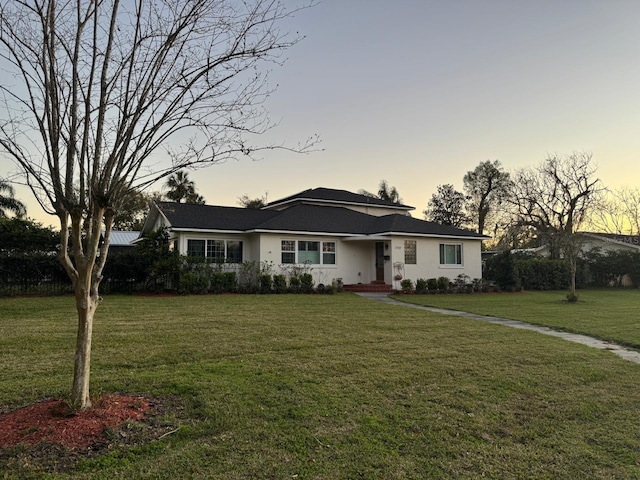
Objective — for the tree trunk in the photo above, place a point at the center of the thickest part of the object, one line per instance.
(86, 303)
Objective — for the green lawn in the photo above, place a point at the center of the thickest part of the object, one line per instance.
(331, 387)
(609, 314)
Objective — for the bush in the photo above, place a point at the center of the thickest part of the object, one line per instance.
(608, 269)
(329, 289)
(502, 269)
(432, 284)
(193, 282)
(572, 297)
(294, 284)
(223, 282)
(266, 283)
(279, 284)
(306, 283)
(443, 284)
(463, 284)
(249, 277)
(421, 286)
(406, 285)
(537, 273)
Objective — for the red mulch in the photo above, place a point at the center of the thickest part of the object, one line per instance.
(54, 422)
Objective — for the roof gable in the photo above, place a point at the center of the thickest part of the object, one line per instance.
(189, 216)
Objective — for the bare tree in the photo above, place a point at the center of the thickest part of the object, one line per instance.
(96, 89)
(618, 212)
(447, 207)
(555, 199)
(486, 187)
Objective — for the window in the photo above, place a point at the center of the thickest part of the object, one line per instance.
(215, 250)
(329, 253)
(410, 255)
(309, 252)
(304, 251)
(196, 248)
(288, 251)
(220, 251)
(450, 254)
(234, 251)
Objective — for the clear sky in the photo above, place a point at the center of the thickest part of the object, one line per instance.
(418, 92)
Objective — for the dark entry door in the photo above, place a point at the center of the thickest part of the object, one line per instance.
(379, 261)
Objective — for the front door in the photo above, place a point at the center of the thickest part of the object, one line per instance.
(379, 261)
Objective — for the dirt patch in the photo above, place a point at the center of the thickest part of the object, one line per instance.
(53, 435)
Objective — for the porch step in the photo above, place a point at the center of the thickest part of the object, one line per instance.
(368, 288)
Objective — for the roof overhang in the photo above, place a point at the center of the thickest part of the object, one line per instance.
(434, 235)
(206, 230)
(366, 238)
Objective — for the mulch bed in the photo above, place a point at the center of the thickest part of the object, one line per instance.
(51, 434)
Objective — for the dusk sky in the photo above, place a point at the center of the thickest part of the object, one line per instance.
(418, 92)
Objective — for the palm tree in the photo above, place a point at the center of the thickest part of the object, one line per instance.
(8, 203)
(385, 192)
(182, 188)
(388, 193)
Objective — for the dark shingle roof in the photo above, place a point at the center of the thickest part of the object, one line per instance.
(337, 196)
(301, 218)
(210, 217)
(405, 224)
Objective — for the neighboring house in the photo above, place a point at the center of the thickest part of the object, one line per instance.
(121, 240)
(605, 242)
(335, 233)
(608, 242)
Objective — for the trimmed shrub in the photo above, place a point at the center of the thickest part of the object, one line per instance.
(443, 284)
(306, 283)
(279, 284)
(294, 284)
(193, 282)
(266, 283)
(537, 273)
(432, 284)
(421, 286)
(406, 285)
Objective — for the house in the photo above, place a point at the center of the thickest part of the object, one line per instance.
(121, 241)
(335, 234)
(608, 242)
(605, 242)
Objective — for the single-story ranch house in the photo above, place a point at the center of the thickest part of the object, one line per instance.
(336, 234)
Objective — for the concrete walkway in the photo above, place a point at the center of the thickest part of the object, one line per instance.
(631, 355)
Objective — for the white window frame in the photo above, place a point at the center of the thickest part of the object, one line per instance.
(321, 250)
(459, 252)
(226, 248)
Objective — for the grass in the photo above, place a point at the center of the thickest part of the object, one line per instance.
(608, 314)
(331, 387)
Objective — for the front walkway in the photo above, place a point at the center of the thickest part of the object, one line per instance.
(631, 355)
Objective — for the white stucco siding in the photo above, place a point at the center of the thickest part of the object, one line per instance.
(351, 258)
(428, 258)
